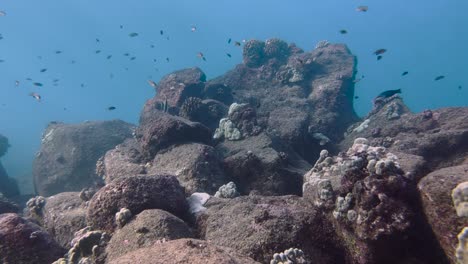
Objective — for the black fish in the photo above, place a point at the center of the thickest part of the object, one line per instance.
(58, 52)
(110, 108)
(161, 32)
(152, 46)
(155, 60)
(73, 62)
(380, 51)
(379, 57)
(43, 70)
(56, 80)
(459, 87)
(37, 84)
(229, 41)
(82, 85)
(121, 26)
(356, 97)
(343, 31)
(229, 55)
(389, 93)
(2, 60)
(98, 51)
(404, 73)
(97, 40)
(237, 43)
(132, 58)
(108, 57)
(133, 34)
(439, 78)
(127, 54)
(167, 59)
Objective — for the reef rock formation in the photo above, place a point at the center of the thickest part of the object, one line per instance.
(135, 193)
(183, 251)
(4, 145)
(7, 206)
(68, 154)
(22, 241)
(258, 227)
(8, 186)
(436, 195)
(146, 229)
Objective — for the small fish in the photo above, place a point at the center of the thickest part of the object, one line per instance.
(459, 87)
(111, 76)
(2, 13)
(39, 57)
(201, 56)
(43, 70)
(1, 36)
(379, 57)
(388, 93)
(132, 58)
(362, 8)
(237, 43)
(17, 83)
(28, 79)
(155, 60)
(56, 80)
(58, 52)
(111, 108)
(82, 85)
(152, 46)
(126, 54)
(36, 96)
(109, 56)
(64, 109)
(98, 40)
(2, 60)
(73, 62)
(38, 84)
(380, 51)
(167, 59)
(229, 41)
(121, 26)
(439, 78)
(98, 51)
(356, 97)
(404, 73)
(229, 55)
(193, 28)
(133, 34)
(343, 31)
(153, 84)
(161, 32)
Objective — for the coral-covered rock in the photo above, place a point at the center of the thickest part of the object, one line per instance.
(365, 193)
(441, 138)
(208, 112)
(22, 241)
(146, 229)
(8, 186)
(183, 251)
(253, 53)
(218, 92)
(436, 195)
(68, 154)
(197, 167)
(62, 215)
(135, 193)
(259, 227)
(162, 130)
(174, 89)
(124, 160)
(276, 48)
(263, 165)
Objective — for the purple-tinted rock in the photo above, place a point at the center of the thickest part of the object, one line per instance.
(197, 167)
(124, 160)
(259, 226)
(64, 214)
(436, 195)
(68, 155)
(162, 130)
(183, 251)
(135, 193)
(22, 241)
(253, 53)
(146, 229)
(218, 92)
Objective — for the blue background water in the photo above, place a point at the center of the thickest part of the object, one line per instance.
(426, 38)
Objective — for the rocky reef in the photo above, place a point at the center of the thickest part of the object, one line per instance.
(267, 163)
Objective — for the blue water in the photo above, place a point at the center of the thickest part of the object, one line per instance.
(426, 38)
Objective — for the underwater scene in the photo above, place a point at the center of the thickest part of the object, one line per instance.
(233, 132)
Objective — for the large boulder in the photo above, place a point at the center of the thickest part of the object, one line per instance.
(68, 155)
(146, 229)
(439, 136)
(436, 195)
(259, 227)
(62, 215)
(197, 167)
(123, 160)
(136, 193)
(183, 251)
(161, 130)
(263, 165)
(22, 241)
